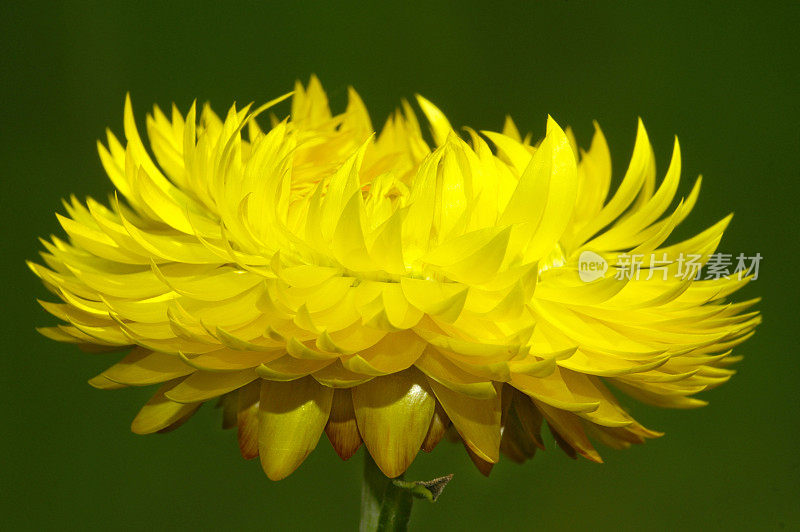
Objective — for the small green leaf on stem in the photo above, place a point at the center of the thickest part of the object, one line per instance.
(430, 490)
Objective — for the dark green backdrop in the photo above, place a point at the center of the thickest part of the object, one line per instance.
(721, 75)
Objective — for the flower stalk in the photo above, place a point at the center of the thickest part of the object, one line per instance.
(386, 503)
(385, 507)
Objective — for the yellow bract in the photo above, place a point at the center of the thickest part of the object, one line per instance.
(321, 276)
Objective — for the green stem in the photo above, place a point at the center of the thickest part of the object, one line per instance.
(384, 506)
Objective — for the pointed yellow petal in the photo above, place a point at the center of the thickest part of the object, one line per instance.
(477, 420)
(561, 194)
(291, 418)
(484, 466)
(439, 424)
(529, 416)
(202, 386)
(102, 383)
(337, 376)
(142, 367)
(443, 300)
(568, 427)
(393, 414)
(554, 391)
(160, 412)
(247, 419)
(511, 150)
(174, 425)
(342, 429)
(440, 126)
(437, 367)
(394, 353)
(230, 409)
(628, 189)
(288, 368)
(516, 443)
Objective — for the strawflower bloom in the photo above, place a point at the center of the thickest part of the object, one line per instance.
(319, 276)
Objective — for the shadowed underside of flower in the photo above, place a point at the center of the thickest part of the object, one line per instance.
(317, 277)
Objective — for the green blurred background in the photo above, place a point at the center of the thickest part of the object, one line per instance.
(723, 76)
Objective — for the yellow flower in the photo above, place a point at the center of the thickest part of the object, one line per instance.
(318, 276)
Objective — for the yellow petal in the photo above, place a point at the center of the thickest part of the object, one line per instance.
(477, 420)
(484, 466)
(481, 254)
(342, 429)
(160, 412)
(628, 189)
(202, 386)
(517, 444)
(443, 300)
(440, 126)
(561, 193)
(291, 418)
(393, 414)
(529, 416)
(288, 368)
(553, 390)
(230, 409)
(511, 149)
(337, 376)
(437, 367)
(439, 425)
(247, 419)
(394, 353)
(102, 383)
(227, 360)
(142, 367)
(568, 426)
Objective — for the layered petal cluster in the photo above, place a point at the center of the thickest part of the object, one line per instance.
(316, 276)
